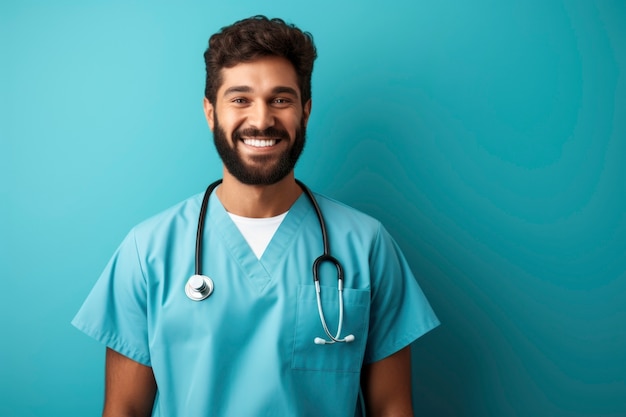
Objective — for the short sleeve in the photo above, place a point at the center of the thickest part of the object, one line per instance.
(114, 313)
(400, 312)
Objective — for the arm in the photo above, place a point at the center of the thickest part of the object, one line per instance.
(387, 386)
(130, 387)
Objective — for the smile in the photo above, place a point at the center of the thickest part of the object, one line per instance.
(260, 143)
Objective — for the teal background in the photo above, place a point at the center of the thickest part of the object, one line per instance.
(488, 136)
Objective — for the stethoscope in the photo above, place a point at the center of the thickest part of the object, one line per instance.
(200, 287)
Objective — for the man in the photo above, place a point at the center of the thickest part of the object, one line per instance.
(257, 346)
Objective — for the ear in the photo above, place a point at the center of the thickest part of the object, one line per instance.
(209, 113)
(307, 111)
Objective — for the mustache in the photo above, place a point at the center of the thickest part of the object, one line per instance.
(269, 133)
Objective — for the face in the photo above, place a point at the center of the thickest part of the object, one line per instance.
(258, 120)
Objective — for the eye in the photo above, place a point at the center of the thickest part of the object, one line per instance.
(239, 100)
(281, 101)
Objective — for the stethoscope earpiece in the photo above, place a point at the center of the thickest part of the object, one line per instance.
(319, 341)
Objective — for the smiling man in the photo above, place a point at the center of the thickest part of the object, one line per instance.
(265, 326)
(258, 119)
(261, 102)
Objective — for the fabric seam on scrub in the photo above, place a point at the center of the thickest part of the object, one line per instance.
(141, 268)
(403, 342)
(146, 286)
(111, 340)
(399, 344)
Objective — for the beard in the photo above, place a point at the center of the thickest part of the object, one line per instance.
(264, 169)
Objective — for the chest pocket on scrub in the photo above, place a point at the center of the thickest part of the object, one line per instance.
(336, 357)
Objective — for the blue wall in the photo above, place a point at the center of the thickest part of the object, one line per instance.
(488, 136)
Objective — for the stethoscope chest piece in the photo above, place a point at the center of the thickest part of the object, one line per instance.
(198, 287)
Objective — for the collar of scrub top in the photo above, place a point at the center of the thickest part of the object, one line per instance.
(200, 286)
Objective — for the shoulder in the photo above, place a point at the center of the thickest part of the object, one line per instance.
(343, 218)
(334, 208)
(177, 217)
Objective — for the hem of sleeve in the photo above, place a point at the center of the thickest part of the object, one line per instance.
(112, 341)
(401, 343)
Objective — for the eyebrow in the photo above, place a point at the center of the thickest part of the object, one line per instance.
(285, 90)
(245, 89)
(237, 89)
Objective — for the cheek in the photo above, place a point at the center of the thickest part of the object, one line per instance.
(292, 123)
(230, 121)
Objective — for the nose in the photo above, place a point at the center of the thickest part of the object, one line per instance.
(261, 116)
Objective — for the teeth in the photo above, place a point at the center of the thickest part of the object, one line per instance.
(260, 143)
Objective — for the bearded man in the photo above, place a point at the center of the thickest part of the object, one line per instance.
(262, 325)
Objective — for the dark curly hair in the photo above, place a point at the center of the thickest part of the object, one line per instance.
(256, 37)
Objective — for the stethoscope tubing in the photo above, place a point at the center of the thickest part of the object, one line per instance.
(325, 257)
(201, 219)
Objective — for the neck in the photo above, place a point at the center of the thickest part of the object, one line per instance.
(258, 201)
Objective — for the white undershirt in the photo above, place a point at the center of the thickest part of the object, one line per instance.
(258, 232)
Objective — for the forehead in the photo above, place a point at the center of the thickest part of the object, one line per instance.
(261, 75)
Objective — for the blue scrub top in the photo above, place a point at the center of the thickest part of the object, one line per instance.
(248, 349)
